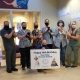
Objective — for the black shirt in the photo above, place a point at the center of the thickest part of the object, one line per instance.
(8, 43)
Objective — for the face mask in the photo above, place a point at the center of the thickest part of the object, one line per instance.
(23, 28)
(73, 27)
(36, 26)
(45, 46)
(46, 24)
(6, 27)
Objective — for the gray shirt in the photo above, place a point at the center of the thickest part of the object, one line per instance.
(9, 44)
(47, 35)
(60, 38)
(25, 42)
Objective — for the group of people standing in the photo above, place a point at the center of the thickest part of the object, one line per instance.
(65, 40)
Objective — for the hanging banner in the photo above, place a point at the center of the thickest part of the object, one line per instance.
(45, 59)
(14, 4)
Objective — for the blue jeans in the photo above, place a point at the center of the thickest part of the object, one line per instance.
(62, 55)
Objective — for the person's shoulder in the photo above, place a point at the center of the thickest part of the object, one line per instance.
(78, 31)
(43, 29)
(3, 30)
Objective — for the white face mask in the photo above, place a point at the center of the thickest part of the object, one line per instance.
(74, 25)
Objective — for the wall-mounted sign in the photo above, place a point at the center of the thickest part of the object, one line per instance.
(14, 4)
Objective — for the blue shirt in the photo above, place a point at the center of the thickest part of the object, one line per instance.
(60, 38)
(25, 42)
(47, 35)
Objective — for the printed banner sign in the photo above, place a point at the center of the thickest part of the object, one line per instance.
(14, 4)
(45, 59)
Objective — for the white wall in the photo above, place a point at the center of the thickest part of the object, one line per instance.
(69, 10)
(47, 8)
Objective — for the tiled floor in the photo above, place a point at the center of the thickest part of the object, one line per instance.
(60, 74)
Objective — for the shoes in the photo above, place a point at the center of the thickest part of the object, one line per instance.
(70, 66)
(28, 68)
(63, 64)
(23, 68)
(73, 66)
(67, 66)
(14, 69)
(9, 71)
(39, 70)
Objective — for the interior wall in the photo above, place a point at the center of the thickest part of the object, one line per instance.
(47, 8)
(28, 17)
(69, 10)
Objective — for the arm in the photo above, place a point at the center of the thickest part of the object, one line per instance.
(44, 30)
(56, 33)
(21, 37)
(15, 34)
(8, 36)
(77, 37)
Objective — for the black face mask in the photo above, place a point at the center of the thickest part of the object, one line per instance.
(6, 27)
(36, 26)
(44, 45)
(46, 24)
(24, 28)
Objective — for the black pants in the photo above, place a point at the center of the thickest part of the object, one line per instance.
(25, 57)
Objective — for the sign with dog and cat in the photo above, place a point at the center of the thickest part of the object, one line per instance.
(45, 59)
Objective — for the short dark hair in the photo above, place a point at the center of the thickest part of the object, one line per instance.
(23, 23)
(61, 21)
(6, 21)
